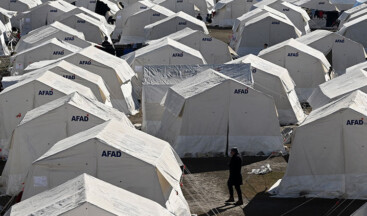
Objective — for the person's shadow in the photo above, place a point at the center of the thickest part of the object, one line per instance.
(220, 209)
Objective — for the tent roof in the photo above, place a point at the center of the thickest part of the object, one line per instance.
(298, 9)
(157, 8)
(313, 4)
(77, 100)
(59, 5)
(299, 46)
(168, 42)
(356, 100)
(347, 13)
(314, 36)
(56, 82)
(87, 189)
(177, 35)
(46, 31)
(182, 15)
(7, 13)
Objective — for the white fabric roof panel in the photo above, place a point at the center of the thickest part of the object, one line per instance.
(19, 5)
(187, 7)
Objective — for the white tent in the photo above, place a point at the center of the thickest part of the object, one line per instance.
(176, 6)
(328, 154)
(94, 30)
(355, 79)
(124, 14)
(346, 14)
(226, 11)
(99, 18)
(35, 135)
(18, 99)
(116, 73)
(133, 33)
(158, 79)
(19, 5)
(340, 51)
(323, 5)
(343, 5)
(91, 5)
(213, 50)
(55, 30)
(86, 195)
(5, 17)
(4, 51)
(355, 30)
(297, 15)
(275, 81)
(206, 114)
(72, 72)
(165, 52)
(353, 16)
(48, 50)
(307, 66)
(122, 156)
(173, 24)
(41, 15)
(204, 6)
(267, 28)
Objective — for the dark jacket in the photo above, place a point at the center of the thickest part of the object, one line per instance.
(235, 165)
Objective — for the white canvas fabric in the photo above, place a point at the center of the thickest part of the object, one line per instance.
(133, 33)
(355, 79)
(275, 81)
(343, 5)
(122, 156)
(165, 52)
(173, 24)
(94, 30)
(99, 18)
(176, 6)
(353, 16)
(79, 75)
(323, 5)
(45, 125)
(19, 5)
(340, 51)
(355, 30)
(328, 153)
(116, 73)
(361, 211)
(297, 15)
(5, 18)
(55, 30)
(226, 11)
(91, 5)
(204, 6)
(158, 79)
(41, 15)
(267, 28)
(87, 195)
(124, 14)
(213, 50)
(205, 114)
(307, 66)
(18, 99)
(48, 50)
(346, 14)
(4, 51)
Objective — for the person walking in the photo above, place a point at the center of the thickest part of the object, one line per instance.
(235, 176)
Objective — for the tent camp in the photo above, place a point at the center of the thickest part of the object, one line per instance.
(226, 11)
(55, 30)
(354, 79)
(94, 30)
(346, 14)
(72, 72)
(4, 51)
(173, 24)
(85, 195)
(102, 7)
(330, 163)
(41, 15)
(267, 28)
(116, 73)
(18, 99)
(124, 14)
(297, 15)
(339, 50)
(353, 30)
(135, 34)
(205, 115)
(165, 52)
(158, 79)
(307, 66)
(122, 156)
(48, 50)
(187, 7)
(275, 81)
(213, 50)
(78, 10)
(35, 134)
(19, 5)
